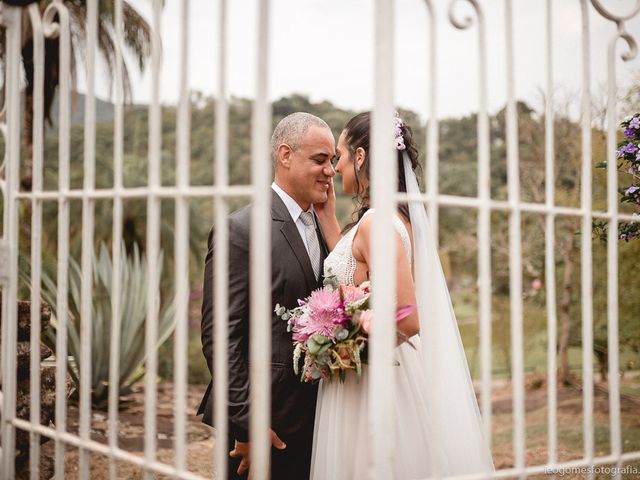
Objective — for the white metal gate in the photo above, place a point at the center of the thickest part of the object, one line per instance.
(55, 24)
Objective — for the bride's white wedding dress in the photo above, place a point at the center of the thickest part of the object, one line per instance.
(438, 429)
(342, 445)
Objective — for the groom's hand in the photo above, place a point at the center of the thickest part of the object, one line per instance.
(242, 449)
(276, 442)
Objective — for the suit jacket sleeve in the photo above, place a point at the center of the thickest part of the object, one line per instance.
(238, 318)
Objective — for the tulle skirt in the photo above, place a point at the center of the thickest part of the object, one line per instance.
(342, 445)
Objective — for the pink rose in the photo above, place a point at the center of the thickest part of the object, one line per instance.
(366, 317)
(351, 293)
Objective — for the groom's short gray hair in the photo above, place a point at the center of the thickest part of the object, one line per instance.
(291, 129)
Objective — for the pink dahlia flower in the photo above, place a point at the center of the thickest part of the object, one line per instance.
(322, 315)
(323, 300)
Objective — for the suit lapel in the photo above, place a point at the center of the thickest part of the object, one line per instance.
(292, 235)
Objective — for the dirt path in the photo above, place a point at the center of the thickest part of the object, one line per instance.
(200, 446)
(131, 435)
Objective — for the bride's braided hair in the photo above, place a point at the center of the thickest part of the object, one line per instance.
(357, 136)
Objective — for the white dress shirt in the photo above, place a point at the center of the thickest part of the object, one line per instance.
(294, 210)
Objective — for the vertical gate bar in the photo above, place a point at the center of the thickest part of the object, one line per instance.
(36, 234)
(260, 232)
(153, 243)
(550, 264)
(221, 336)
(116, 241)
(260, 280)
(612, 254)
(10, 292)
(221, 260)
(182, 243)
(484, 227)
(586, 252)
(515, 249)
(87, 239)
(64, 147)
(432, 125)
(383, 174)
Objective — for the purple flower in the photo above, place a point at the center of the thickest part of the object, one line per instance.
(629, 132)
(631, 190)
(620, 153)
(630, 148)
(635, 122)
(626, 236)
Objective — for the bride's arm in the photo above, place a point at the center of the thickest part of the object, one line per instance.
(326, 213)
(405, 289)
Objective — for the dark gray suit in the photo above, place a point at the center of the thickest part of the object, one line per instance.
(292, 402)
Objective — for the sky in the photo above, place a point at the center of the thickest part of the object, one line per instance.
(325, 49)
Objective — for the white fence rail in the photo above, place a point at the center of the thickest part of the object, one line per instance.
(55, 23)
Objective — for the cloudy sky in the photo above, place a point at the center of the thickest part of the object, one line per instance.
(325, 49)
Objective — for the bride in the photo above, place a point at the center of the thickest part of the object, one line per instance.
(438, 426)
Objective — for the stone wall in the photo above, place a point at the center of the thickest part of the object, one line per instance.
(23, 394)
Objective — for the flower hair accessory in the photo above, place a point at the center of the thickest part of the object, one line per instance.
(398, 124)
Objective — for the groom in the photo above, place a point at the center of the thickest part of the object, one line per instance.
(302, 148)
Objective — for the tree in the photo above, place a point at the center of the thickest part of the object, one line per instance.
(137, 39)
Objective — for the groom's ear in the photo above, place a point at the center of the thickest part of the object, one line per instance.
(284, 155)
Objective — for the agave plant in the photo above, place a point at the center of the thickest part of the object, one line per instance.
(133, 287)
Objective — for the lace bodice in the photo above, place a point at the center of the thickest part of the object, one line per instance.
(341, 263)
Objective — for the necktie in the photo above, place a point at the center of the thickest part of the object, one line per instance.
(313, 245)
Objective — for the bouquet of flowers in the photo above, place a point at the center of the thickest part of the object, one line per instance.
(331, 329)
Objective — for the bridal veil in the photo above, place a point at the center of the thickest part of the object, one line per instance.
(450, 396)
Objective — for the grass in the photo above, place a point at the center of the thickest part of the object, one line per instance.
(535, 354)
(570, 439)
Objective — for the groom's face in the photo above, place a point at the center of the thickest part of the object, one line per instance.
(308, 169)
